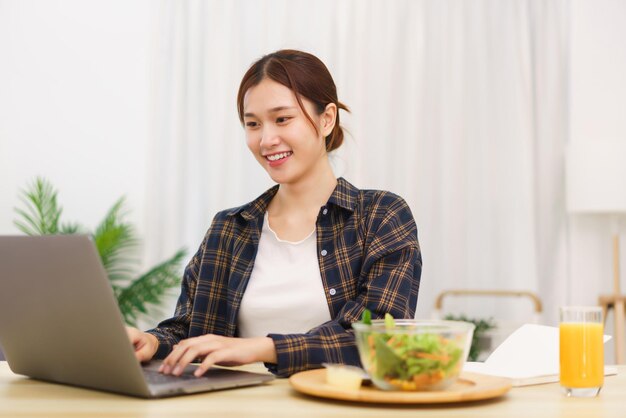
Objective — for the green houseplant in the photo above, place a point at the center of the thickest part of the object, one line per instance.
(480, 341)
(117, 244)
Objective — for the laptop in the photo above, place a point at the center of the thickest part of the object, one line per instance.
(59, 322)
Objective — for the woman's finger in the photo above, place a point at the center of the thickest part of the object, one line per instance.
(172, 359)
(215, 357)
(187, 351)
(191, 353)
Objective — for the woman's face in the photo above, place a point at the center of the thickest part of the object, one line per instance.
(279, 134)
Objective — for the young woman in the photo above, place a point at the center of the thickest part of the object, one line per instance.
(282, 278)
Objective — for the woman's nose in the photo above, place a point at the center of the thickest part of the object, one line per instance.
(269, 136)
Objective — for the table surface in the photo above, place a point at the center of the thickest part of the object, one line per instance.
(24, 397)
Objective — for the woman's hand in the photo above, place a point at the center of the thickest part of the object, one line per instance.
(215, 349)
(145, 344)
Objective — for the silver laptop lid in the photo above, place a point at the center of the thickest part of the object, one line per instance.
(60, 323)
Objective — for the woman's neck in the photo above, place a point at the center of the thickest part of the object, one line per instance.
(308, 194)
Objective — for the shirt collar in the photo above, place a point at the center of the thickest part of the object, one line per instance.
(345, 195)
(257, 207)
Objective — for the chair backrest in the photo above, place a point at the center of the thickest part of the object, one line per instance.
(494, 337)
(538, 306)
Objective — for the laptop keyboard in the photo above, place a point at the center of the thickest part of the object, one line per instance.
(156, 378)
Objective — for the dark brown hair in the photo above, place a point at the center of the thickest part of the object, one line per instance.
(306, 76)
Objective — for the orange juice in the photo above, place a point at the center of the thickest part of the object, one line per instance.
(581, 354)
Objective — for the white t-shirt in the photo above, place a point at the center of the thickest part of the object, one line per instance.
(285, 294)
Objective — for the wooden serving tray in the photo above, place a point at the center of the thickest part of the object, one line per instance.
(469, 387)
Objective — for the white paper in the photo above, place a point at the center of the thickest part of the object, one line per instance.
(531, 352)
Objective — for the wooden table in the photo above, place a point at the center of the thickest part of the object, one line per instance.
(23, 397)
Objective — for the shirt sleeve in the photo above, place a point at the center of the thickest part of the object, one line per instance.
(170, 331)
(388, 283)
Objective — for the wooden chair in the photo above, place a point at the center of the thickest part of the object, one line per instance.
(617, 302)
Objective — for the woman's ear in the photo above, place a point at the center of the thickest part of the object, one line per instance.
(328, 119)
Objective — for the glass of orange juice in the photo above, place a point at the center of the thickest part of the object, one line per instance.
(581, 347)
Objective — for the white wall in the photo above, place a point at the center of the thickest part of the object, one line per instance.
(74, 95)
(598, 70)
(597, 112)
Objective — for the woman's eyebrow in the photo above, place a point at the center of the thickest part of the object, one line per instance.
(272, 110)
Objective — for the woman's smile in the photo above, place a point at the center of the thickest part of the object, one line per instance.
(279, 158)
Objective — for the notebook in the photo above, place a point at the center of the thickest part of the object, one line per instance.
(59, 322)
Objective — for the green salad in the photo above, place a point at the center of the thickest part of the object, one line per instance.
(410, 361)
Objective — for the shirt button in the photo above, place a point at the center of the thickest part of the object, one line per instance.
(332, 292)
(325, 211)
(324, 252)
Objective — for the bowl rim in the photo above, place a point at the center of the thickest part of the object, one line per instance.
(424, 326)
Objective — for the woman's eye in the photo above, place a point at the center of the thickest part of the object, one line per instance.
(251, 124)
(282, 119)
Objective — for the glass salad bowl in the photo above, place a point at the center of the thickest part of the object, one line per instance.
(409, 354)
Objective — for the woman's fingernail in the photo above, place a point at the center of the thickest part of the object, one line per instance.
(177, 370)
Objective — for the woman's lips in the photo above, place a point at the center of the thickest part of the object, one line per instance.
(278, 158)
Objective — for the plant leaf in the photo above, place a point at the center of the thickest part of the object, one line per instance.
(71, 228)
(117, 244)
(42, 213)
(150, 287)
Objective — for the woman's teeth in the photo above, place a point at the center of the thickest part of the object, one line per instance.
(277, 157)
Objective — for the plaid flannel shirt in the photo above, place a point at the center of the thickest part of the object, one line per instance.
(368, 254)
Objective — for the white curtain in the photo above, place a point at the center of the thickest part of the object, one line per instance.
(458, 106)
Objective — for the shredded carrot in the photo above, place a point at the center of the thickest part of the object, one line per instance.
(437, 357)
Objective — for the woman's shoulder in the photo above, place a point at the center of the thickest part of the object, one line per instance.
(382, 207)
(382, 198)
(369, 199)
